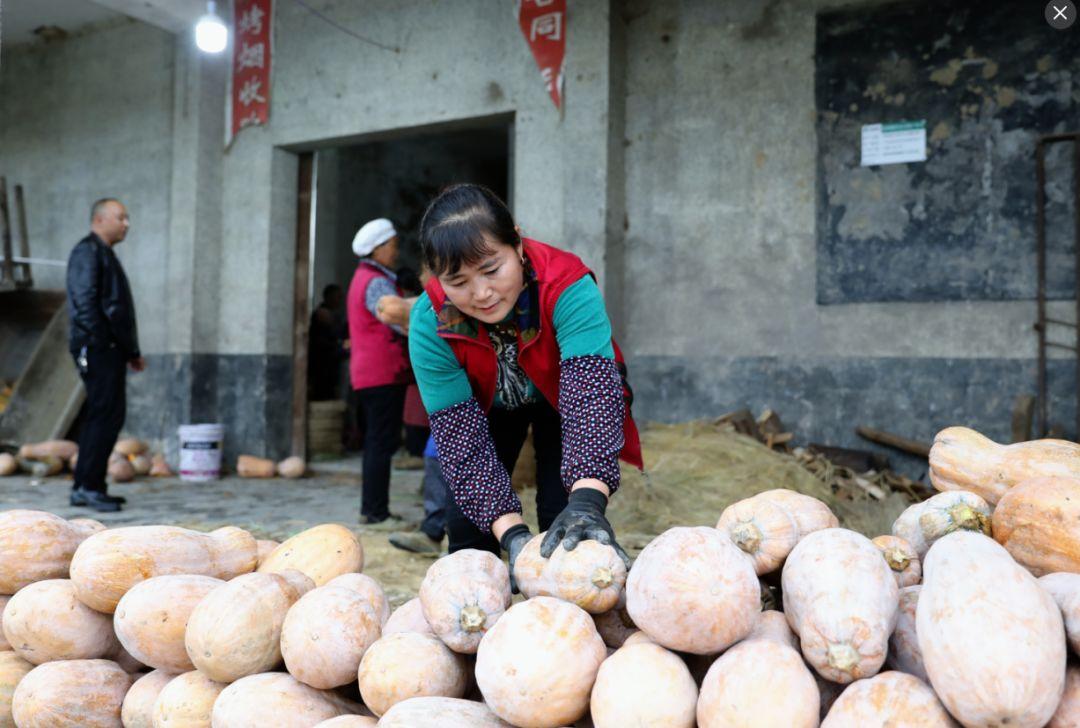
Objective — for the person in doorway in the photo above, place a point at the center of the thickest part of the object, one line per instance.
(104, 340)
(510, 333)
(378, 365)
(428, 540)
(326, 339)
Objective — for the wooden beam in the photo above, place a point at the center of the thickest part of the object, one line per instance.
(896, 441)
(300, 304)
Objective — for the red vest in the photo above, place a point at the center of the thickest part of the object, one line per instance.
(377, 355)
(539, 358)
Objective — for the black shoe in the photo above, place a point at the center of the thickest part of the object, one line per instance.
(100, 502)
(78, 497)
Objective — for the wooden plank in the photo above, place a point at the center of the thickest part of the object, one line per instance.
(300, 304)
(896, 441)
(25, 280)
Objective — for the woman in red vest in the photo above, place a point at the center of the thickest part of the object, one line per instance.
(513, 333)
(378, 365)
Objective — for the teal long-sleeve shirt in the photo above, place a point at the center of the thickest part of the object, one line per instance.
(581, 328)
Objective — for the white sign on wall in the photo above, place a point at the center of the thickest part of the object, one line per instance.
(904, 141)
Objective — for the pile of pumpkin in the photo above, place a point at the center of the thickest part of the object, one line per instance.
(130, 458)
(964, 614)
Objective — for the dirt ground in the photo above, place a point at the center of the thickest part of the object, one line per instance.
(693, 471)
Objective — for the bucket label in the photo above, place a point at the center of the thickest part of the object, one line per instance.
(188, 445)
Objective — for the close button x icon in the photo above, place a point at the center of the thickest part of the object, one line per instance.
(1060, 14)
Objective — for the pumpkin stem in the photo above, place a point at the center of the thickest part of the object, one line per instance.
(746, 536)
(897, 559)
(472, 619)
(602, 578)
(969, 519)
(843, 657)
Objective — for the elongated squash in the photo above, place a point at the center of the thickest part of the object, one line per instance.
(369, 589)
(924, 523)
(441, 713)
(1065, 590)
(1038, 523)
(763, 529)
(12, 670)
(137, 710)
(152, 617)
(250, 466)
(407, 665)
(265, 548)
(463, 595)
(235, 630)
(71, 694)
(840, 597)
(591, 576)
(279, 700)
(894, 699)
(901, 558)
(187, 701)
(962, 459)
(109, 563)
(773, 625)
(904, 652)
(810, 514)
(326, 633)
(992, 639)
(643, 685)
(63, 449)
(693, 590)
(409, 617)
(45, 622)
(322, 552)
(34, 546)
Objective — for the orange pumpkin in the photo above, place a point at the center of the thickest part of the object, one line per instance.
(893, 699)
(71, 694)
(976, 608)
(463, 595)
(34, 546)
(151, 619)
(591, 576)
(45, 621)
(187, 701)
(137, 710)
(962, 459)
(109, 563)
(279, 700)
(537, 665)
(409, 617)
(236, 629)
(693, 590)
(407, 665)
(1038, 523)
(763, 529)
(643, 685)
(325, 633)
(322, 552)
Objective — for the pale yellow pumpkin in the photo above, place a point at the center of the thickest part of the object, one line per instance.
(810, 514)
(109, 563)
(406, 665)
(325, 633)
(322, 552)
(264, 548)
(369, 589)
(1067, 714)
(904, 652)
(140, 464)
(409, 617)
(151, 619)
(45, 621)
(637, 638)
(4, 644)
(991, 637)
(924, 523)
(34, 546)
(463, 595)
(350, 721)
(759, 682)
(901, 558)
(187, 701)
(591, 576)
(250, 466)
(1038, 523)
(63, 449)
(962, 459)
(137, 710)
(894, 699)
(235, 630)
(773, 625)
(537, 665)
(1064, 588)
(8, 464)
(88, 525)
(643, 685)
(120, 470)
(12, 670)
(441, 713)
(292, 467)
(130, 447)
(763, 529)
(840, 597)
(71, 694)
(693, 590)
(279, 700)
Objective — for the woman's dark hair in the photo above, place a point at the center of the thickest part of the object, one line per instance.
(459, 224)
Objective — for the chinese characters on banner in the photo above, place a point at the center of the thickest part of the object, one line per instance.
(544, 24)
(250, 97)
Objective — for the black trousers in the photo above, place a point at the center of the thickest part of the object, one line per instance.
(382, 407)
(105, 379)
(509, 429)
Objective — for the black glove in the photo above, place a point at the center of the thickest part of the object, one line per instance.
(512, 541)
(582, 520)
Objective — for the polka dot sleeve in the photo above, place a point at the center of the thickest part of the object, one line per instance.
(592, 408)
(477, 479)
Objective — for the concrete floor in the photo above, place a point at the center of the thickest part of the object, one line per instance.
(274, 508)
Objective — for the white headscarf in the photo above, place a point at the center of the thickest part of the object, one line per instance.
(372, 235)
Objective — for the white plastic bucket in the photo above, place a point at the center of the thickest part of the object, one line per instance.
(200, 452)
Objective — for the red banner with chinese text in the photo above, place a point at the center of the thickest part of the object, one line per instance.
(544, 24)
(252, 48)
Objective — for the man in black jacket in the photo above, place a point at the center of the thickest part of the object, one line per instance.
(104, 341)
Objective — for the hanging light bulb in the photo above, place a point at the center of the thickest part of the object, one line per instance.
(211, 35)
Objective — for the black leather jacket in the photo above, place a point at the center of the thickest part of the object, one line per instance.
(100, 306)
